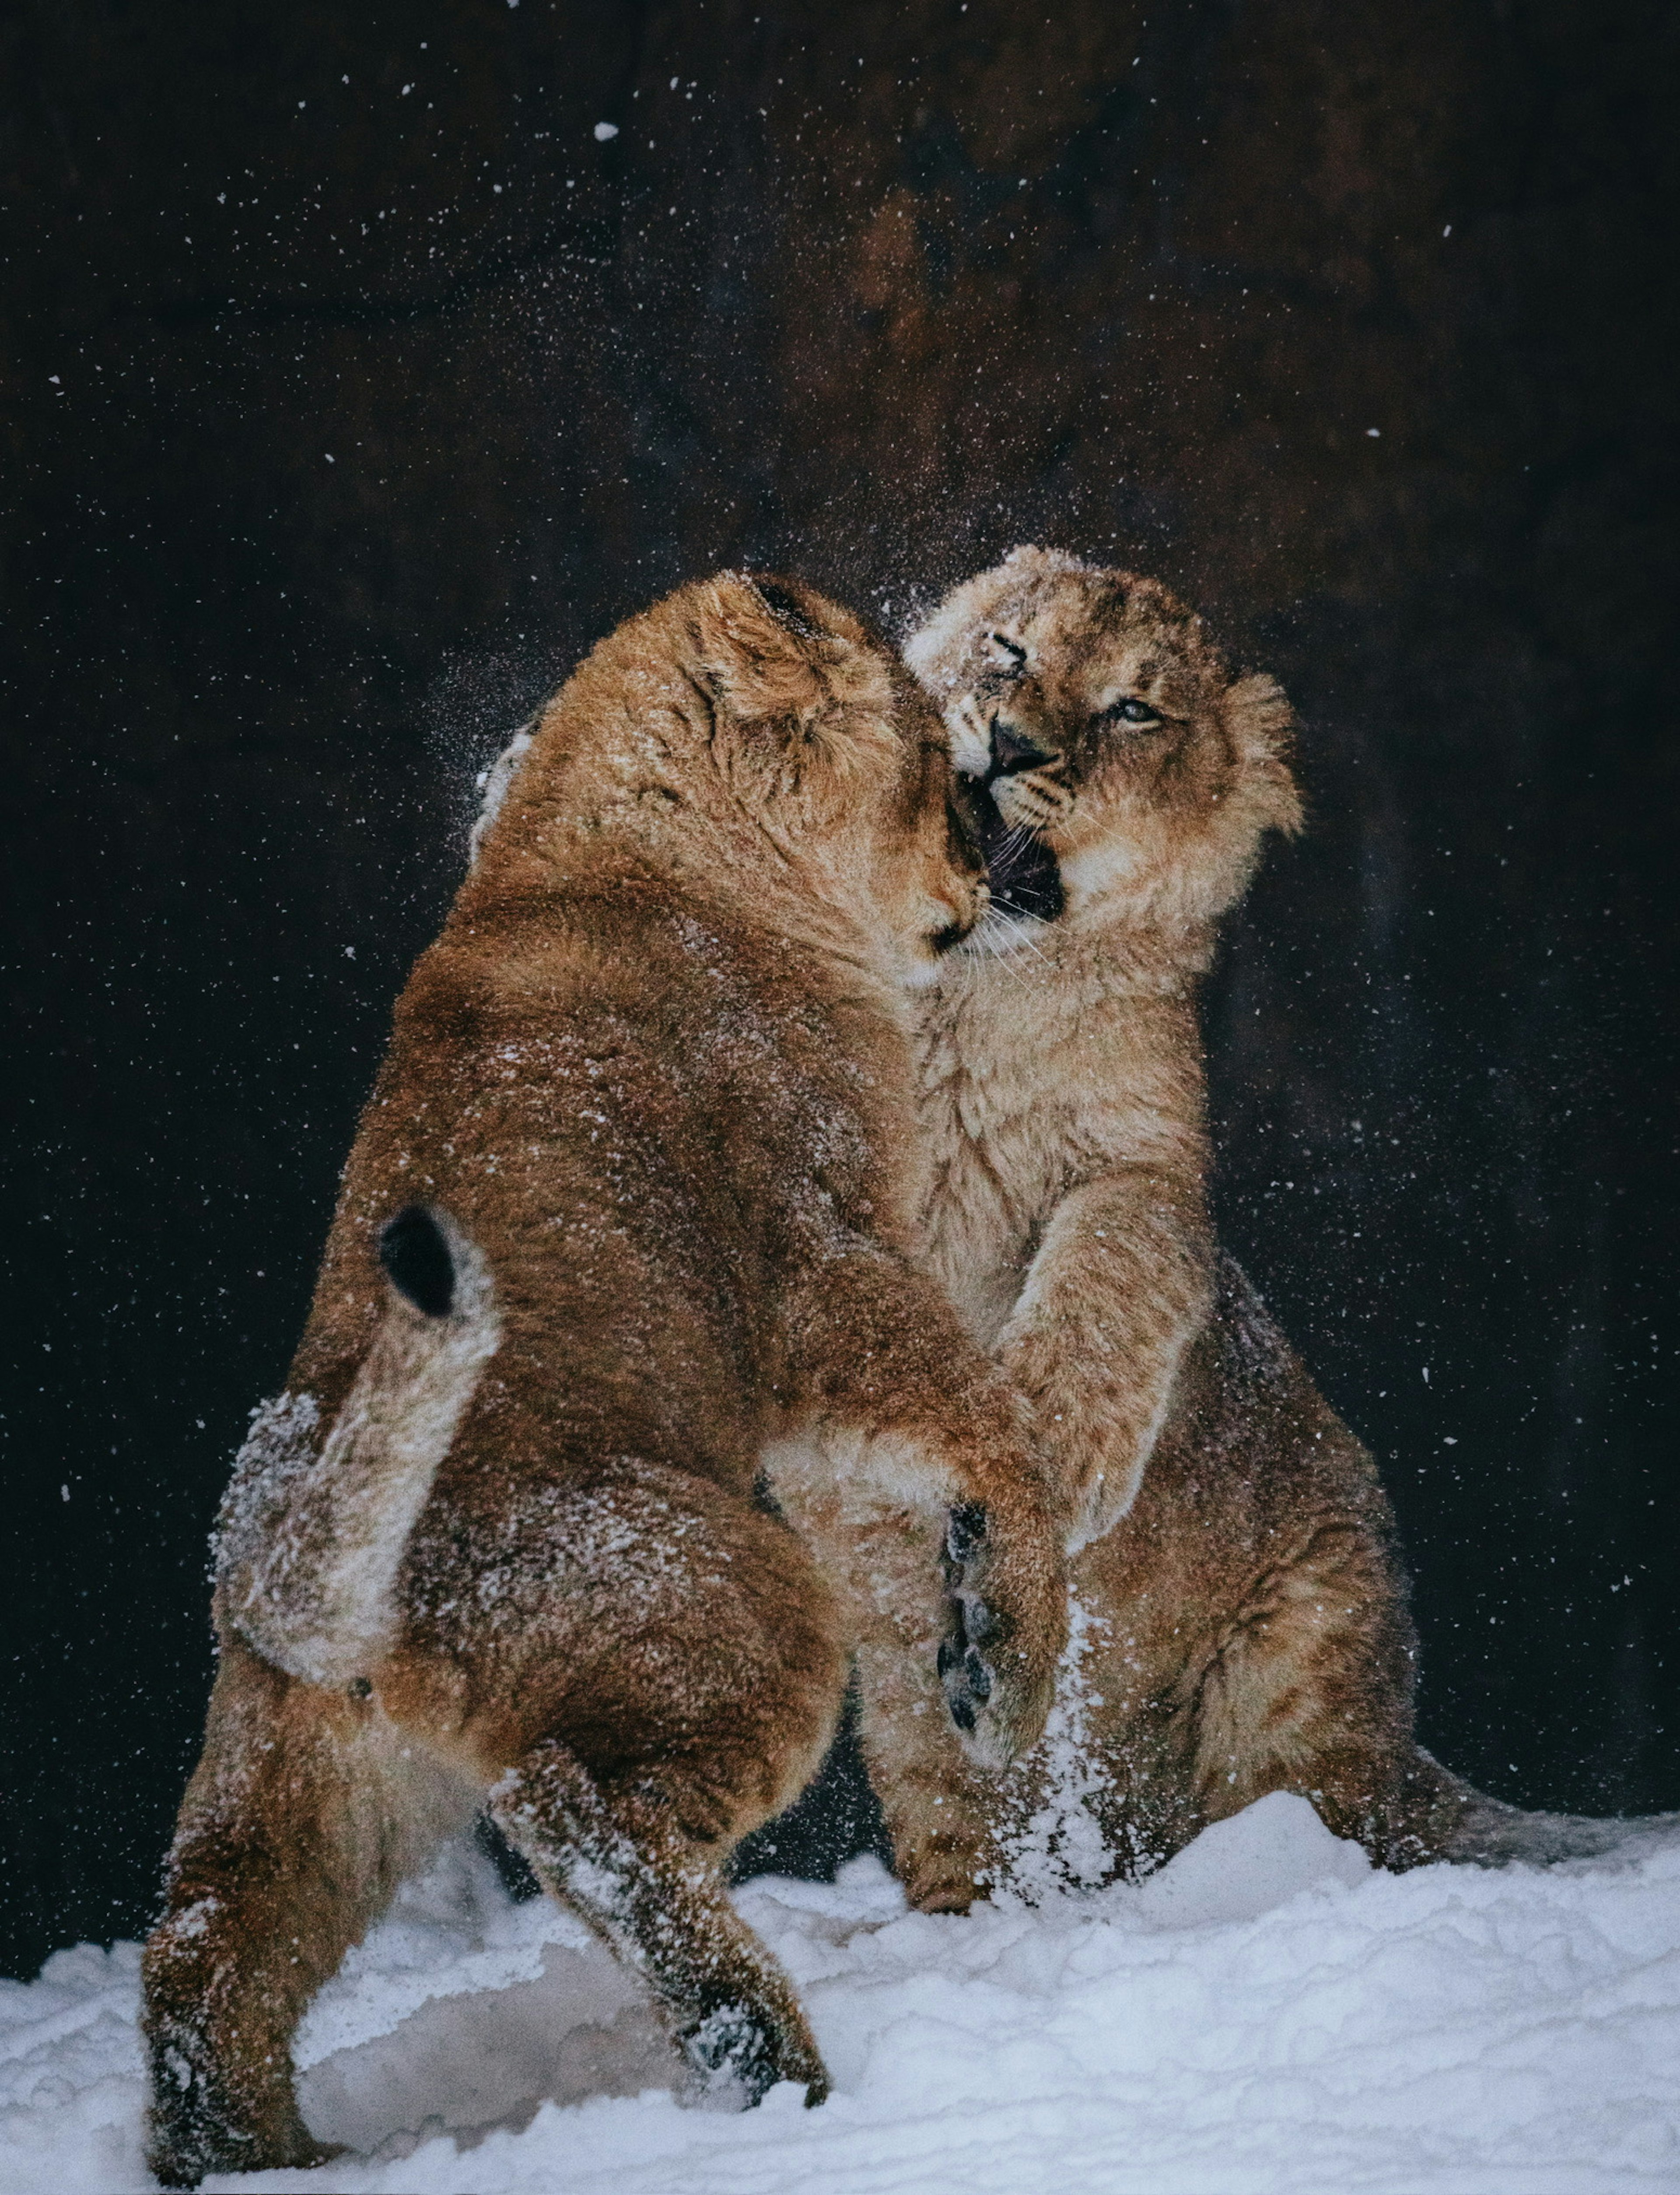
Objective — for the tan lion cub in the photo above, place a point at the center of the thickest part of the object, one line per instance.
(632, 1169)
(1241, 1621)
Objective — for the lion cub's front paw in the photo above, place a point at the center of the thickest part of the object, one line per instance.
(996, 1663)
(1032, 800)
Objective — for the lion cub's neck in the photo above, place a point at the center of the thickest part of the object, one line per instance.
(1048, 1056)
(649, 822)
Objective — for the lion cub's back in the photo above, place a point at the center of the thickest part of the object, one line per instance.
(556, 1080)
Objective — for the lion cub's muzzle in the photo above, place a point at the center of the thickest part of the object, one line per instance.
(1013, 751)
(1024, 877)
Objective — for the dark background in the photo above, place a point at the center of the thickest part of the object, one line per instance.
(353, 388)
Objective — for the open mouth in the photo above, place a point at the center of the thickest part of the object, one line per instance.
(1019, 867)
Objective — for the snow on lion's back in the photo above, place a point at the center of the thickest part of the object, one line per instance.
(1267, 2013)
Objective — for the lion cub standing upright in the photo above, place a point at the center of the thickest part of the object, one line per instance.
(627, 1203)
(1242, 1606)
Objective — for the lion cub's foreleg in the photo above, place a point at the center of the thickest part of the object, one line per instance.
(885, 1563)
(907, 1421)
(1120, 1285)
(914, 1483)
(302, 1817)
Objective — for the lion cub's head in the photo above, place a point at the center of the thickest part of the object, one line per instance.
(748, 734)
(1122, 768)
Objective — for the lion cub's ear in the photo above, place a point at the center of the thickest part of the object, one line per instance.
(786, 606)
(772, 652)
(1261, 726)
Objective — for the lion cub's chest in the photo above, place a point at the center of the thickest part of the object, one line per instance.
(1000, 1134)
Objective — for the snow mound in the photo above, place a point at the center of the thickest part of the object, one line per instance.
(1241, 1869)
(1266, 2013)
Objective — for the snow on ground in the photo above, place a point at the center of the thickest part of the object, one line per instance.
(1266, 2013)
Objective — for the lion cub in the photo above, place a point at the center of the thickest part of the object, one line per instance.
(632, 1170)
(1240, 1607)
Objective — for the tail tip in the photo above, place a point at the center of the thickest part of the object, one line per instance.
(419, 1261)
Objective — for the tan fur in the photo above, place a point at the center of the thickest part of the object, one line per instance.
(647, 1100)
(1238, 1601)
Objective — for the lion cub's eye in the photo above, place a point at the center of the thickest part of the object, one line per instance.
(1008, 655)
(1131, 710)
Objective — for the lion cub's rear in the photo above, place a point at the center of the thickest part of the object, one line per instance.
(1239, 1601)
(627, 1203)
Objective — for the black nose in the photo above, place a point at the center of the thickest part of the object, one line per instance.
(1012, 751)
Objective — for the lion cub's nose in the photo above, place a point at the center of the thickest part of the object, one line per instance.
(1013, 751)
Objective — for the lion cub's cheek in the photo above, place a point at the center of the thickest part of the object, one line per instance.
(1033, 802)
(970, 732)
(1103, 866)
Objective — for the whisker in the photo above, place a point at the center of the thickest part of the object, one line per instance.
(1032, 946)
(1001, 937)
(1025, 939)
(989, 938)
(993, 947)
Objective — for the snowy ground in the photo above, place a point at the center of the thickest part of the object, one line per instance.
(1267, 2013)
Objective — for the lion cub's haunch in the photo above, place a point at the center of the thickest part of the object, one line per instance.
(1242, 1609)
(632, 1171)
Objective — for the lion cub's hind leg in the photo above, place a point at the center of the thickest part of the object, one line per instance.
(304, 1817)
(680, 1687)
(622, 1858)
(1309, 1690)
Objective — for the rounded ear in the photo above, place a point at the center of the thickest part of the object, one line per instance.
(760, 645)
(1262, 725)
(786, 606)
(771, 650)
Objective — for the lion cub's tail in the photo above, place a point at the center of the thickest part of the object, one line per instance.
(311, 1534)
(1488, 1833)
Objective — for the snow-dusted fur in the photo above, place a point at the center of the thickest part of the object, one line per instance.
(1244, 1624)
(637, 1164)
(493, 783)
(310, 1545)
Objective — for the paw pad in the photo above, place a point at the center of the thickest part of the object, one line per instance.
(966, 1677)
(964, 1531)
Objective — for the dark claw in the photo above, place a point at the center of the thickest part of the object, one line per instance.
(961, 1714)
(965, 1530)
(979, 1676)
(950, 1654)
